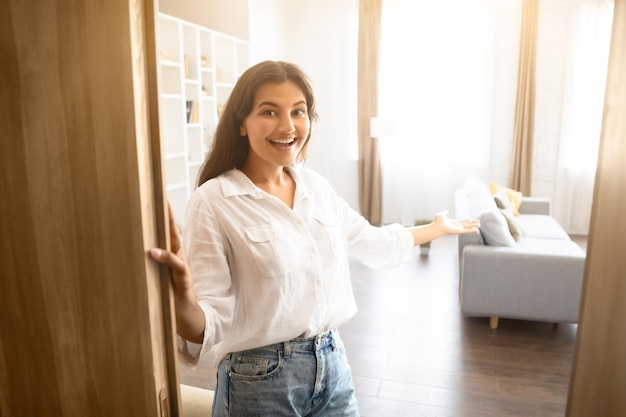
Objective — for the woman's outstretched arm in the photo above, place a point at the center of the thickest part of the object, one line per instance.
(443, 225)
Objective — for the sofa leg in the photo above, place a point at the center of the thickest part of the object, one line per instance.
(493, 322)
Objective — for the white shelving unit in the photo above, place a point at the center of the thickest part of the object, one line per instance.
(197, 66)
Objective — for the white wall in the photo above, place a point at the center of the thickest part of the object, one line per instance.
(320, 36)
(227, 16)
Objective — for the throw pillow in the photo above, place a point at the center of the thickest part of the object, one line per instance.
(514, 227)
(502, 201)
(494, 228)
(515, 197)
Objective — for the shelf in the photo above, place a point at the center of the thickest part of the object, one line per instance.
(175, 155)
(171, 96)
(199, 65)
(167, 63)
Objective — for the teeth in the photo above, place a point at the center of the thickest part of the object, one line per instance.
(282, 141)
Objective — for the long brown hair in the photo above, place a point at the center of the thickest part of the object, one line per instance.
(229, 150)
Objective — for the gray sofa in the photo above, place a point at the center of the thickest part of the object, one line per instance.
(538, 277)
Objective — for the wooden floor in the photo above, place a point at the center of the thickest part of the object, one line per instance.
(413, 354)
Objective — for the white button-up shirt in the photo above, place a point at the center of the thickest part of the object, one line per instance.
(265, 273)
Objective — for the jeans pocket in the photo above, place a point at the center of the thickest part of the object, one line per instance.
(254, 367)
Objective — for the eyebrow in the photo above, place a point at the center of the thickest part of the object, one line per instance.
(270, 103)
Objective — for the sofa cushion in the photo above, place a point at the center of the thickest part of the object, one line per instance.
(502, 201)
(506, 207)
(549, 247)
(541, 226)
(494, 228)
(514, 225)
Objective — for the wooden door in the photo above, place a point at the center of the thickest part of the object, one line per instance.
(84, 313)
(598, 382)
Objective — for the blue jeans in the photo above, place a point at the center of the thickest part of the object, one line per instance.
(301, 377)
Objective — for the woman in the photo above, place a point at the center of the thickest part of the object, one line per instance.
(268, 243)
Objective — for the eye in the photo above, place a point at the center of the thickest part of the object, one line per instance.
(300, 112)
(268, 112)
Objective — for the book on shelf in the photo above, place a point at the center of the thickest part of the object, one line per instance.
(189, 104)
(195, 117)
(192, 111)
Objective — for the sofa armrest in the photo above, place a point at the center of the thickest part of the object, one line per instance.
(196, 402)
(469, 239)
(535, 205)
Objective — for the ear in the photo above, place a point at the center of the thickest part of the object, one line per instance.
(242, 130)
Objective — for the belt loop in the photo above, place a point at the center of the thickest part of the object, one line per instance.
(287, 349)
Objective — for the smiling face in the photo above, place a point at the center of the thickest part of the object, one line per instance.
(277, 127)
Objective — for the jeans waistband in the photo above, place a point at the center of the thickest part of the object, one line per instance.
(310, 344)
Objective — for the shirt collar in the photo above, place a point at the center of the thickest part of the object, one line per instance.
(235, 182)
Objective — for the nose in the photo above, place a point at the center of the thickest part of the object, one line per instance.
(286, 124)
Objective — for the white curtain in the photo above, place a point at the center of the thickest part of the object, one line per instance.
(447, 87)
(585, 80)
(439, 92)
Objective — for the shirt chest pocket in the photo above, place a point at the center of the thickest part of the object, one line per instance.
(275, 249)
(329, 237)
